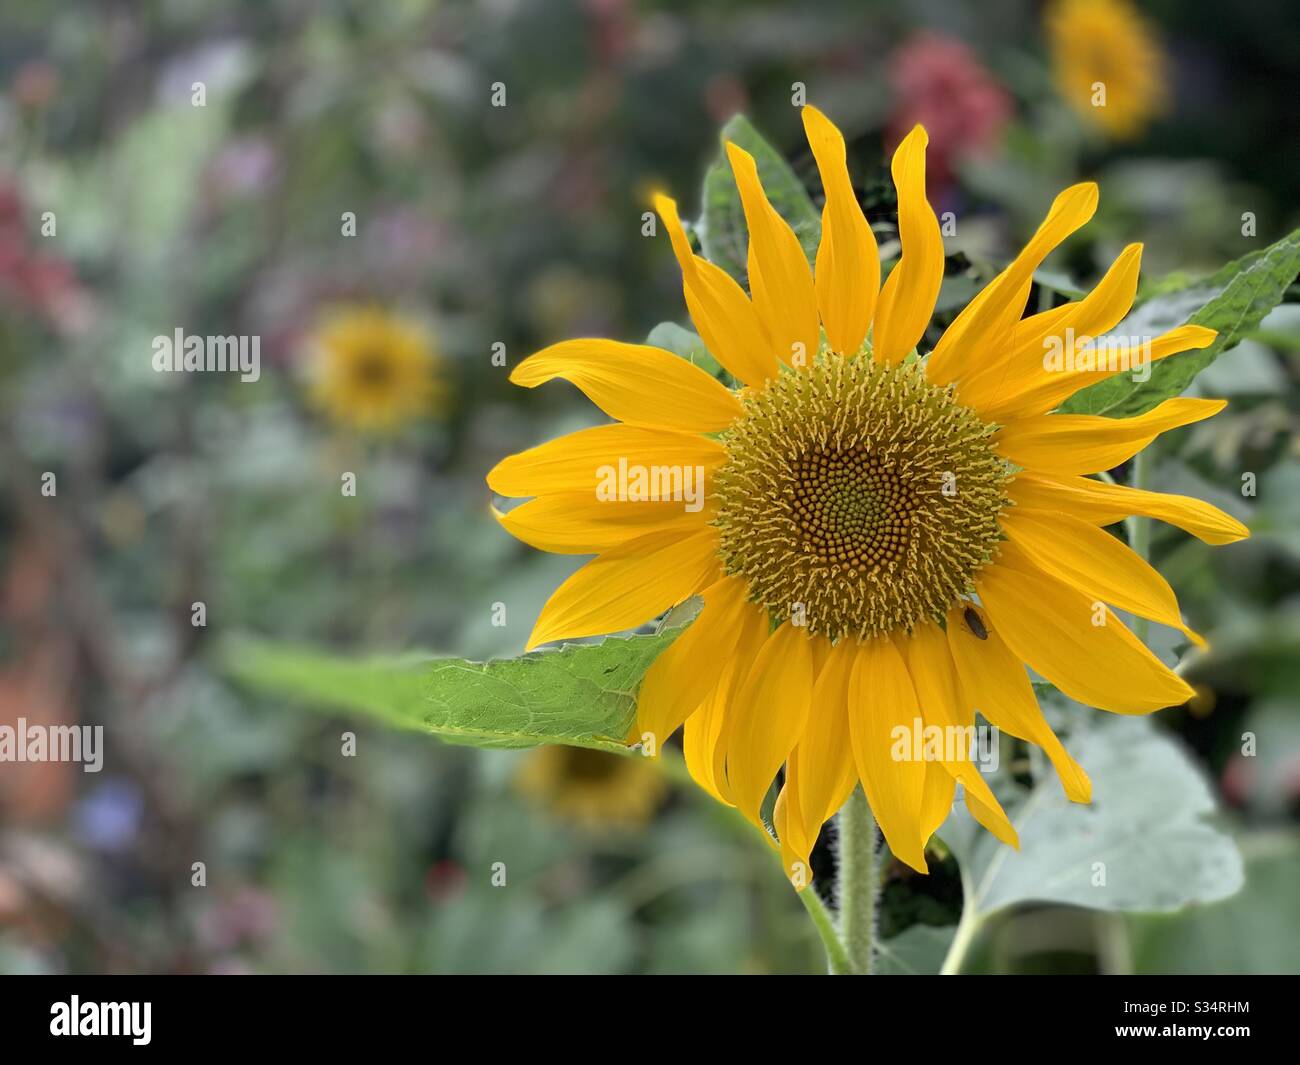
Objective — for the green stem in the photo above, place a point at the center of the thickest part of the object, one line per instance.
(837, 958)
(857, 880)
(961, 942)
(1114, 952)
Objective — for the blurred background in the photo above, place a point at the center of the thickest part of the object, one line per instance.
(334, 179)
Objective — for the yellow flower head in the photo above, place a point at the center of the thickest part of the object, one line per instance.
(374, 369)
(1108, 64)
(881, 541)
(592, 788)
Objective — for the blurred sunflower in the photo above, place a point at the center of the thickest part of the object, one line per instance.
(373, 369)
(1108, 64)
(592, 788)
(857, 501)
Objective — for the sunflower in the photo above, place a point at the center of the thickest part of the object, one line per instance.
(592, 788)
(1108, 64)
(374, 369)
(883, 540)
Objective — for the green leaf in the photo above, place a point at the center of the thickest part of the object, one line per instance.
(1145, 832)
(956, 291)
(582, 694)
(916, 951)
(1253, 932)
(1234, 301)
(672, 337)
(1060, 282)
(721, 228)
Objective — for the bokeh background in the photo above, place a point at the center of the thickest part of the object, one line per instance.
(479, 226)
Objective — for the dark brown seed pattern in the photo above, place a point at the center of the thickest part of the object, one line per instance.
(860, 491)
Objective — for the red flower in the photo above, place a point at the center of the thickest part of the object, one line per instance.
(35, 280)
(939, 83)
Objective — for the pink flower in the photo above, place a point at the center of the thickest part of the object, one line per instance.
(939, 83)
(32, 279)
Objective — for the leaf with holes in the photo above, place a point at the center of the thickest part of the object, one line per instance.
(582, 694)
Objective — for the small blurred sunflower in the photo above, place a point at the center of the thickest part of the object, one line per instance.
(1108, 64)
(373, 369)
(591, 788)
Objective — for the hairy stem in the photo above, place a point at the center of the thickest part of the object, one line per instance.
(857, 881)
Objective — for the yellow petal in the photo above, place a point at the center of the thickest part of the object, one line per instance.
(726, 320)
(1051, 626)
(908, 296)
(779, 277)
(1085, 443)
(584, 461)
(977, 336)
(939, 696)
(821, 650)
(993, 390)
(940, 783)
(1063, 373)
(930, 665)
(577, 523)
(770, 712)
(821, 765)
(635, 383)
(882, 700)
(936, 800)
(1092, 561)
(628, 585)
(681, 678)
(1104, 504)
(1096, 314)
(986, 810)
(793, 834)
(819, 773)
(848, 262)
(993, 681)
(704, 739)
(700, 738)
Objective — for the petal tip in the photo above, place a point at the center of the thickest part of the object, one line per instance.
(523, 376)
(538, 637)
(493, 477)
(737, 155)
(916, 861)
(815, 122)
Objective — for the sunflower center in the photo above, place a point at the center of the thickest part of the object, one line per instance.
(857, 498)
(373, 369)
